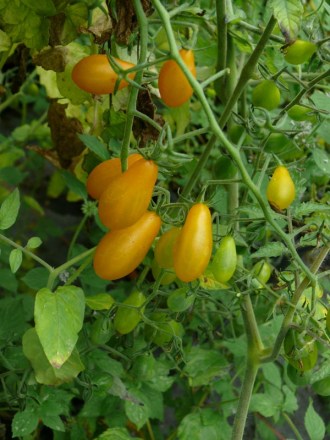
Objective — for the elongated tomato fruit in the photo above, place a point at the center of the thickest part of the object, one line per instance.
(174, 88)
(121, 251)
(281, 190)
(94, 74)
(128, 196)
(104, 173)
(193, 248)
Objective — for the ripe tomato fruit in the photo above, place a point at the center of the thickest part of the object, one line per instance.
(266, 95)
(164, 248)
(299, 52)
(94, 74)
(262, 272)
(105, 172)
(174, 88)
(225, 260)
(127, 318)
(119, 252)
(127, 197)
(301, 350)
(301, 113)
(193, 247)
(281, 190)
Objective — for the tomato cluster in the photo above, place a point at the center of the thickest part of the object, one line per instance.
(124, 198)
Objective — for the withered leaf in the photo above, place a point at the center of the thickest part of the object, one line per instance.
(52, 58)
(101, 30)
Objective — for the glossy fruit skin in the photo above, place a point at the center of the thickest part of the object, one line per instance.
(94, 74)
(164, 248)
(281, 190)
(101, 330)
(266, 95)
(299, 52)
(120, 252)
(127, 319)
(262, 272)
(301, 113)
(105, 172)
(174, 88)
(301, 350)
(225, 260)
(193, 248)
(127, 197)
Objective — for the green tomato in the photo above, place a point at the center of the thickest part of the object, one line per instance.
(266, 95)
(301, 113)
(299, 52)
(224, 261)
(165, 331)
(277, 142)
(224, 168)
(300, 350)
(262, 272)
(127, 318)
(178, 301)
(101, 330)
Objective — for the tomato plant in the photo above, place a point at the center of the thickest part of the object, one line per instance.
(180, 300)
(174, 88)
(164, 248)
(193, 247)
(267, 95)
(225, 260)
(120, 251)
(168, 275)
(301, 113)
(94, 74)
(224, 168)
(281, 189)
(262, 272)
(300, 350)
(164, 331)
(104, 173)
(127, 197)
(299, 52)
(127, 318)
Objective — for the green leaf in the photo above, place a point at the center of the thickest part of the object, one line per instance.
(9, 210)
(76, 17)
(59, 317)
(33, 243)
(314, 424)
(321, 101)
(204, 424)
(44, 8)
(8, 280)
(290, 404)
(25, 422)
(136, 410)
(74, 184)
(272, 374)
(114, 434)
(307, 208)
(15, 260)
(203, 365)
(5, 42)
(320, 379)
(322, 160)
(44, 372)
(36, 278)
(95, 145)
(12, 318)
(263, 404)
(101, 301)
(270, 250)
(288, 13)
(53, 422)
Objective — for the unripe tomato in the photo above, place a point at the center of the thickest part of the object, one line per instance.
(301, 350)
(178, 301)
(127, 197)
(301, 113)
(101, 330)
(281, 190)
(105, 172)
(168, 277)
(262, 272)
(266, 95)
(277, 142)
(166, 330)
(121, 251)
(127, 318)
(164, 248)
(94, 74)
(224, 168)
(174, 88)
(299, 52)
(193, 247)
(225, 260)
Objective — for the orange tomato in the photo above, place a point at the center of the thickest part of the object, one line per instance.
(127, 197)
(120, 252)
(193, 248)
(105, 172)
(174, 88)
(94, 74)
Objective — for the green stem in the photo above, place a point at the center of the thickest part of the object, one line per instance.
(147, 119)
(222, 46)
(143, 28)
(257, 30)
(292, 426)
(76, 234)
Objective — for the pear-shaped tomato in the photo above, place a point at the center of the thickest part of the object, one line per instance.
(94, 74)
(105, 172)
(128, 316)
(266, 95)
(174, 88)
(261, 272)
(281, 190)
(299, 52)
(127, 197)
(122, 250)
(164, 248)
(301, 113)
(193, 247)
(225, 260)
(301, 350)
